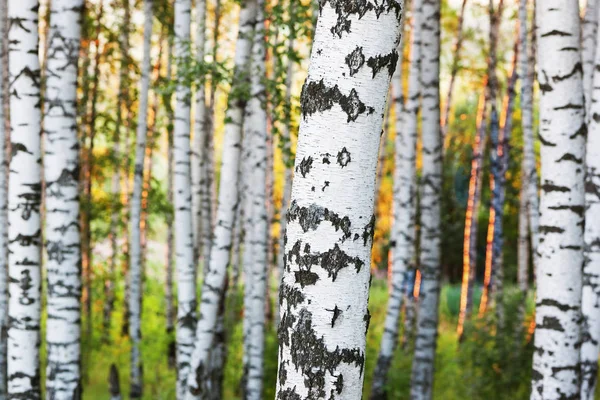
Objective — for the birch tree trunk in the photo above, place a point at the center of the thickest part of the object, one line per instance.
(455, 68)
(588, 49)
(556, 367)
(523, 251)
(530, 179)
(430, 257)
(184, 237)
(199, 131)
(590, 306)
(324, 315)
(135, 250)
(213, 285)
(61, 170)
(403, 228)
(257, 129)
(24, 197)
(4, 134)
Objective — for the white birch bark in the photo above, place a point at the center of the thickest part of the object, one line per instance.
(556, 361)
(135, 250)
(3, 206)
(199, 131)
(530, 178)
(213, 285)
(523, 249)
(61, 170)
(324, 292)
(184, 237)
(256, 121)
(430, 200)
(590, 296)
(24, 197)
(403, 226)
(588, 49)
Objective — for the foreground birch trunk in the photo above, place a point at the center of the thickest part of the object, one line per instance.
(403, 228)
(3, 205)
(184, 237)
(325, 287)
(556, 361)
(135, 250)
(61, 170)
(590, 307)
(24, 196)
(213, 285)
(430, 256)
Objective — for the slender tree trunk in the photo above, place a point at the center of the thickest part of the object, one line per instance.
(4, 135)
(24, 198)
(257, 129)
(589, 35)
(199, 158)
(523, 250)
(214, 282)
(556, 367)
(170, 306)
(430, 199)
(403, 228)
(184, 238)
(455, 68)
(331, 221)
(119, 156)
(590, 306)
(499, 154)
(530, 178)
(114, 385)
(135, 251)
(61, 158)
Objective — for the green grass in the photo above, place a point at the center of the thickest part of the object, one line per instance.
(459, 371)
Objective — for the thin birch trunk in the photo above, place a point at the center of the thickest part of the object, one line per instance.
(215, 276)
(556, 366)
(61, 158)
(589, 37)
(324, 315)
(430, 207)
(184, 237)
(523, 250)
(590, 306)
(500, 138)
(199, 131)
(455, 68)
(135, 251)
(24, 201)
(4, 135)
(109, 284)
(403, 226)
(530, 178)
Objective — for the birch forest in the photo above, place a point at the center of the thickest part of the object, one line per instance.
(299, 199)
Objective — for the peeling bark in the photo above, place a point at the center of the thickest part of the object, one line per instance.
(556, 367)
(324, 292)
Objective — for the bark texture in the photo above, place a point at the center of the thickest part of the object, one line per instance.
(324, 292)
(135, 230)
(61, 170)
(589, 37)
(430, 256)
(24, 198)
(4, 134)
(556, 367)
(590, 305)
(215, 276)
